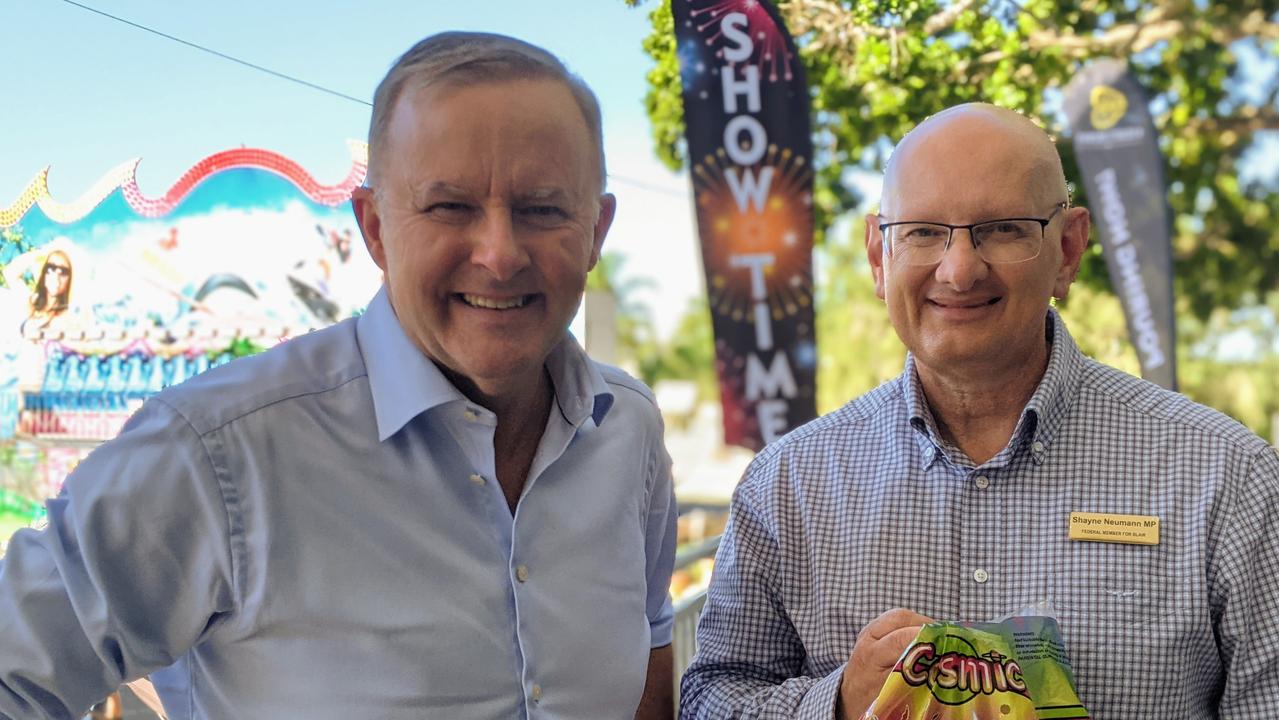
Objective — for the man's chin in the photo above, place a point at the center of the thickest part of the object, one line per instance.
(951, 354)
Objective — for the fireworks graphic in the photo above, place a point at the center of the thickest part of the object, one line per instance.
(770, 50)
(740, 424)
(781, 228)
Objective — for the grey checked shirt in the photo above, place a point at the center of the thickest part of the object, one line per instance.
(868, 508)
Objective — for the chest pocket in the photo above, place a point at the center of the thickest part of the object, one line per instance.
(1133, 621)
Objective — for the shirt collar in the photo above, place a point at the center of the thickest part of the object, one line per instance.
(1044, 412)
(580, 389)
(405, 383)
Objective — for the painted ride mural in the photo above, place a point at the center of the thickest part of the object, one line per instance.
(109, 298)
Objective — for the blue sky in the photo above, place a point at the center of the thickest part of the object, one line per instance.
(85, 93)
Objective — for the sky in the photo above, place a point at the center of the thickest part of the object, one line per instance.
(84, 93)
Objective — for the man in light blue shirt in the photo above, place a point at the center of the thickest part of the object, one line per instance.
(441, 509)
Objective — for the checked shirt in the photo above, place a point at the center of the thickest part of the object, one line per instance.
(868, 508)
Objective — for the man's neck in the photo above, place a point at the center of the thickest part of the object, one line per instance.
(521, 409)
(977, 409)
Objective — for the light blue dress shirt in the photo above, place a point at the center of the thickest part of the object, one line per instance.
(317, 532)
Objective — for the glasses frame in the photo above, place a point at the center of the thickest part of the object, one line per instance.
(972, 237)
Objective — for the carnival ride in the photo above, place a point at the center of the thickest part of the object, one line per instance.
(106, 300)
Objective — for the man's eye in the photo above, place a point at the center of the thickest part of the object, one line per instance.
(543, 211)
(923, 233)
(1005, 228)
(447, 208)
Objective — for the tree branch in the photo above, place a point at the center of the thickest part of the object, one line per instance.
(831, 26)
(1233, 129)
(1126, 39)
(1154, 28)
(948, 17)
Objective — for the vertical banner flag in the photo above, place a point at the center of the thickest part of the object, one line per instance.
(1118, 155)
(750, 154)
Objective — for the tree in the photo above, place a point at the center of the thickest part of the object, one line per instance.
(633, 319)
(876, 69)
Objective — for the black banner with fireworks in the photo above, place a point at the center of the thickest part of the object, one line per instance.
(750, 151)
(1118, 154)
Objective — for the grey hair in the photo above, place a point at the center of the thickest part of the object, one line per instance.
(460, 57)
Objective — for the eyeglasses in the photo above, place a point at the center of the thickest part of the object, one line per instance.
(62, 270)
(1010, 240)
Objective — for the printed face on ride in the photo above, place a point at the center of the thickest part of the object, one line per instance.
(486, 219)
(57, 274)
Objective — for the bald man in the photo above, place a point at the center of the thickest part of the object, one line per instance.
(948, 492)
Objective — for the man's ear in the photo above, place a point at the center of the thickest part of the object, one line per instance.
(608, 208)
(1074, 240)
(364, 204)
(875, 252)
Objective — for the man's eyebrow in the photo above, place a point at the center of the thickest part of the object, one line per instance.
(440, 186)
(545, 193)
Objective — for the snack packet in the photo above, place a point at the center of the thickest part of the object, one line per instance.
(1011, 670)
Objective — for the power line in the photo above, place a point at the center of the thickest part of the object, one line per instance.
(618, 178)
(613, 177)
(222, 55)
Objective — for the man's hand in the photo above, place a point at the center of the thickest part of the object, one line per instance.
(879, 645)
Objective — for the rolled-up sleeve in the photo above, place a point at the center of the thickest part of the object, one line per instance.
(659, 548)
(134, 566)
(750, 659)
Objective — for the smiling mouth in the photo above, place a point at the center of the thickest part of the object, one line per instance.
(491, 303)
(966, 305)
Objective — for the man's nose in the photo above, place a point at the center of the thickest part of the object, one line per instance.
(497, 247)
(961, 266)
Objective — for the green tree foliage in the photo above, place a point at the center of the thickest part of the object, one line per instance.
(849, 315)
(876, 69)
(689, 354)
(636, 337)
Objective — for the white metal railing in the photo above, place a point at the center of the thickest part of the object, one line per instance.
(687, 611)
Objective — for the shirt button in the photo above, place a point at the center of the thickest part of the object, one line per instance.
(980, 575)
(1037, 446)
(472, 414)
(983, 482)
(477, 478)
(536, 692)
(521, 574)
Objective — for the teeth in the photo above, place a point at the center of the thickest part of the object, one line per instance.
(494, 303)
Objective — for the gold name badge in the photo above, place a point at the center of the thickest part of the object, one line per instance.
(1105, 527)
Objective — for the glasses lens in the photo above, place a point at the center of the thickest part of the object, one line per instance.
(919, 243)
(1006, 241)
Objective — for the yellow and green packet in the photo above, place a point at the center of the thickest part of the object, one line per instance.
(1016, 669)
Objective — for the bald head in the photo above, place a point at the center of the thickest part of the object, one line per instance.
(981, 151)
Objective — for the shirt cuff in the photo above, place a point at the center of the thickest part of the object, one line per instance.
(662, 628)
(819, 701)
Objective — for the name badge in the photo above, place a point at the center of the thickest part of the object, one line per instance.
(1105, 527)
